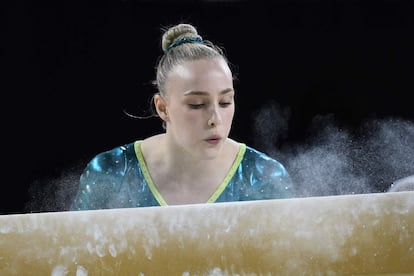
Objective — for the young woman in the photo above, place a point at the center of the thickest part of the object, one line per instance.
(194, 160)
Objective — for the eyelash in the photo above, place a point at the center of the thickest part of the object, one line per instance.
(199, 106)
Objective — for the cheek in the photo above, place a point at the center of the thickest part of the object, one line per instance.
(190, 117)
(229, 114)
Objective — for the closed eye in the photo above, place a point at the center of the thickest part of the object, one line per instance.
(195, 106)
(225, 104)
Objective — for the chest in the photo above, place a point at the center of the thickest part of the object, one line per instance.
(188, 190)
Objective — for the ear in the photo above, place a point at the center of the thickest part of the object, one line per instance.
(161, 107)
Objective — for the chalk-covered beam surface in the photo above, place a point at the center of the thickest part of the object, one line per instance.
(332, 235)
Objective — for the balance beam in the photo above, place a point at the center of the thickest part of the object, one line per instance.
(329, 235)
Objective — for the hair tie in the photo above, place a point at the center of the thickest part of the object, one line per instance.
(184, 40)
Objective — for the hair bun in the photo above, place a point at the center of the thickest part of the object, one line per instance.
(177, 32)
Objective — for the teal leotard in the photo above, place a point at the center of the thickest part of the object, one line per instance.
(119, 178)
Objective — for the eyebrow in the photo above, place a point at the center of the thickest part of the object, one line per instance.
(204, 93)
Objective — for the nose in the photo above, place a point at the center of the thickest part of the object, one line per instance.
(215, 117)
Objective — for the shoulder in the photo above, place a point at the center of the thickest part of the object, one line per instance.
(263, 161)
(266, 169)
(252, 152)
(264, 176)
(111, 159)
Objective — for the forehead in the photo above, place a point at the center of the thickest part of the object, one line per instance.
(200, 75)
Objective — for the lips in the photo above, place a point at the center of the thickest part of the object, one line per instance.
(215, 139)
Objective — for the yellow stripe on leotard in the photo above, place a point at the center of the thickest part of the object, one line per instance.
(144, 168)
(229, 175)
(214, 196)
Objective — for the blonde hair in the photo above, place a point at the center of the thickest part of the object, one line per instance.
(180, 43)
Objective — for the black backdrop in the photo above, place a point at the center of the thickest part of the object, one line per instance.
(72, 67)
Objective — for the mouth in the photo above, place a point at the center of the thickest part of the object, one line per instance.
(214, 140)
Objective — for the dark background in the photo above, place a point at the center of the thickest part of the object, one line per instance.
(70, 68)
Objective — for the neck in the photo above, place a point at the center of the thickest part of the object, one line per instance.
(181, 162)
(180, 176)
